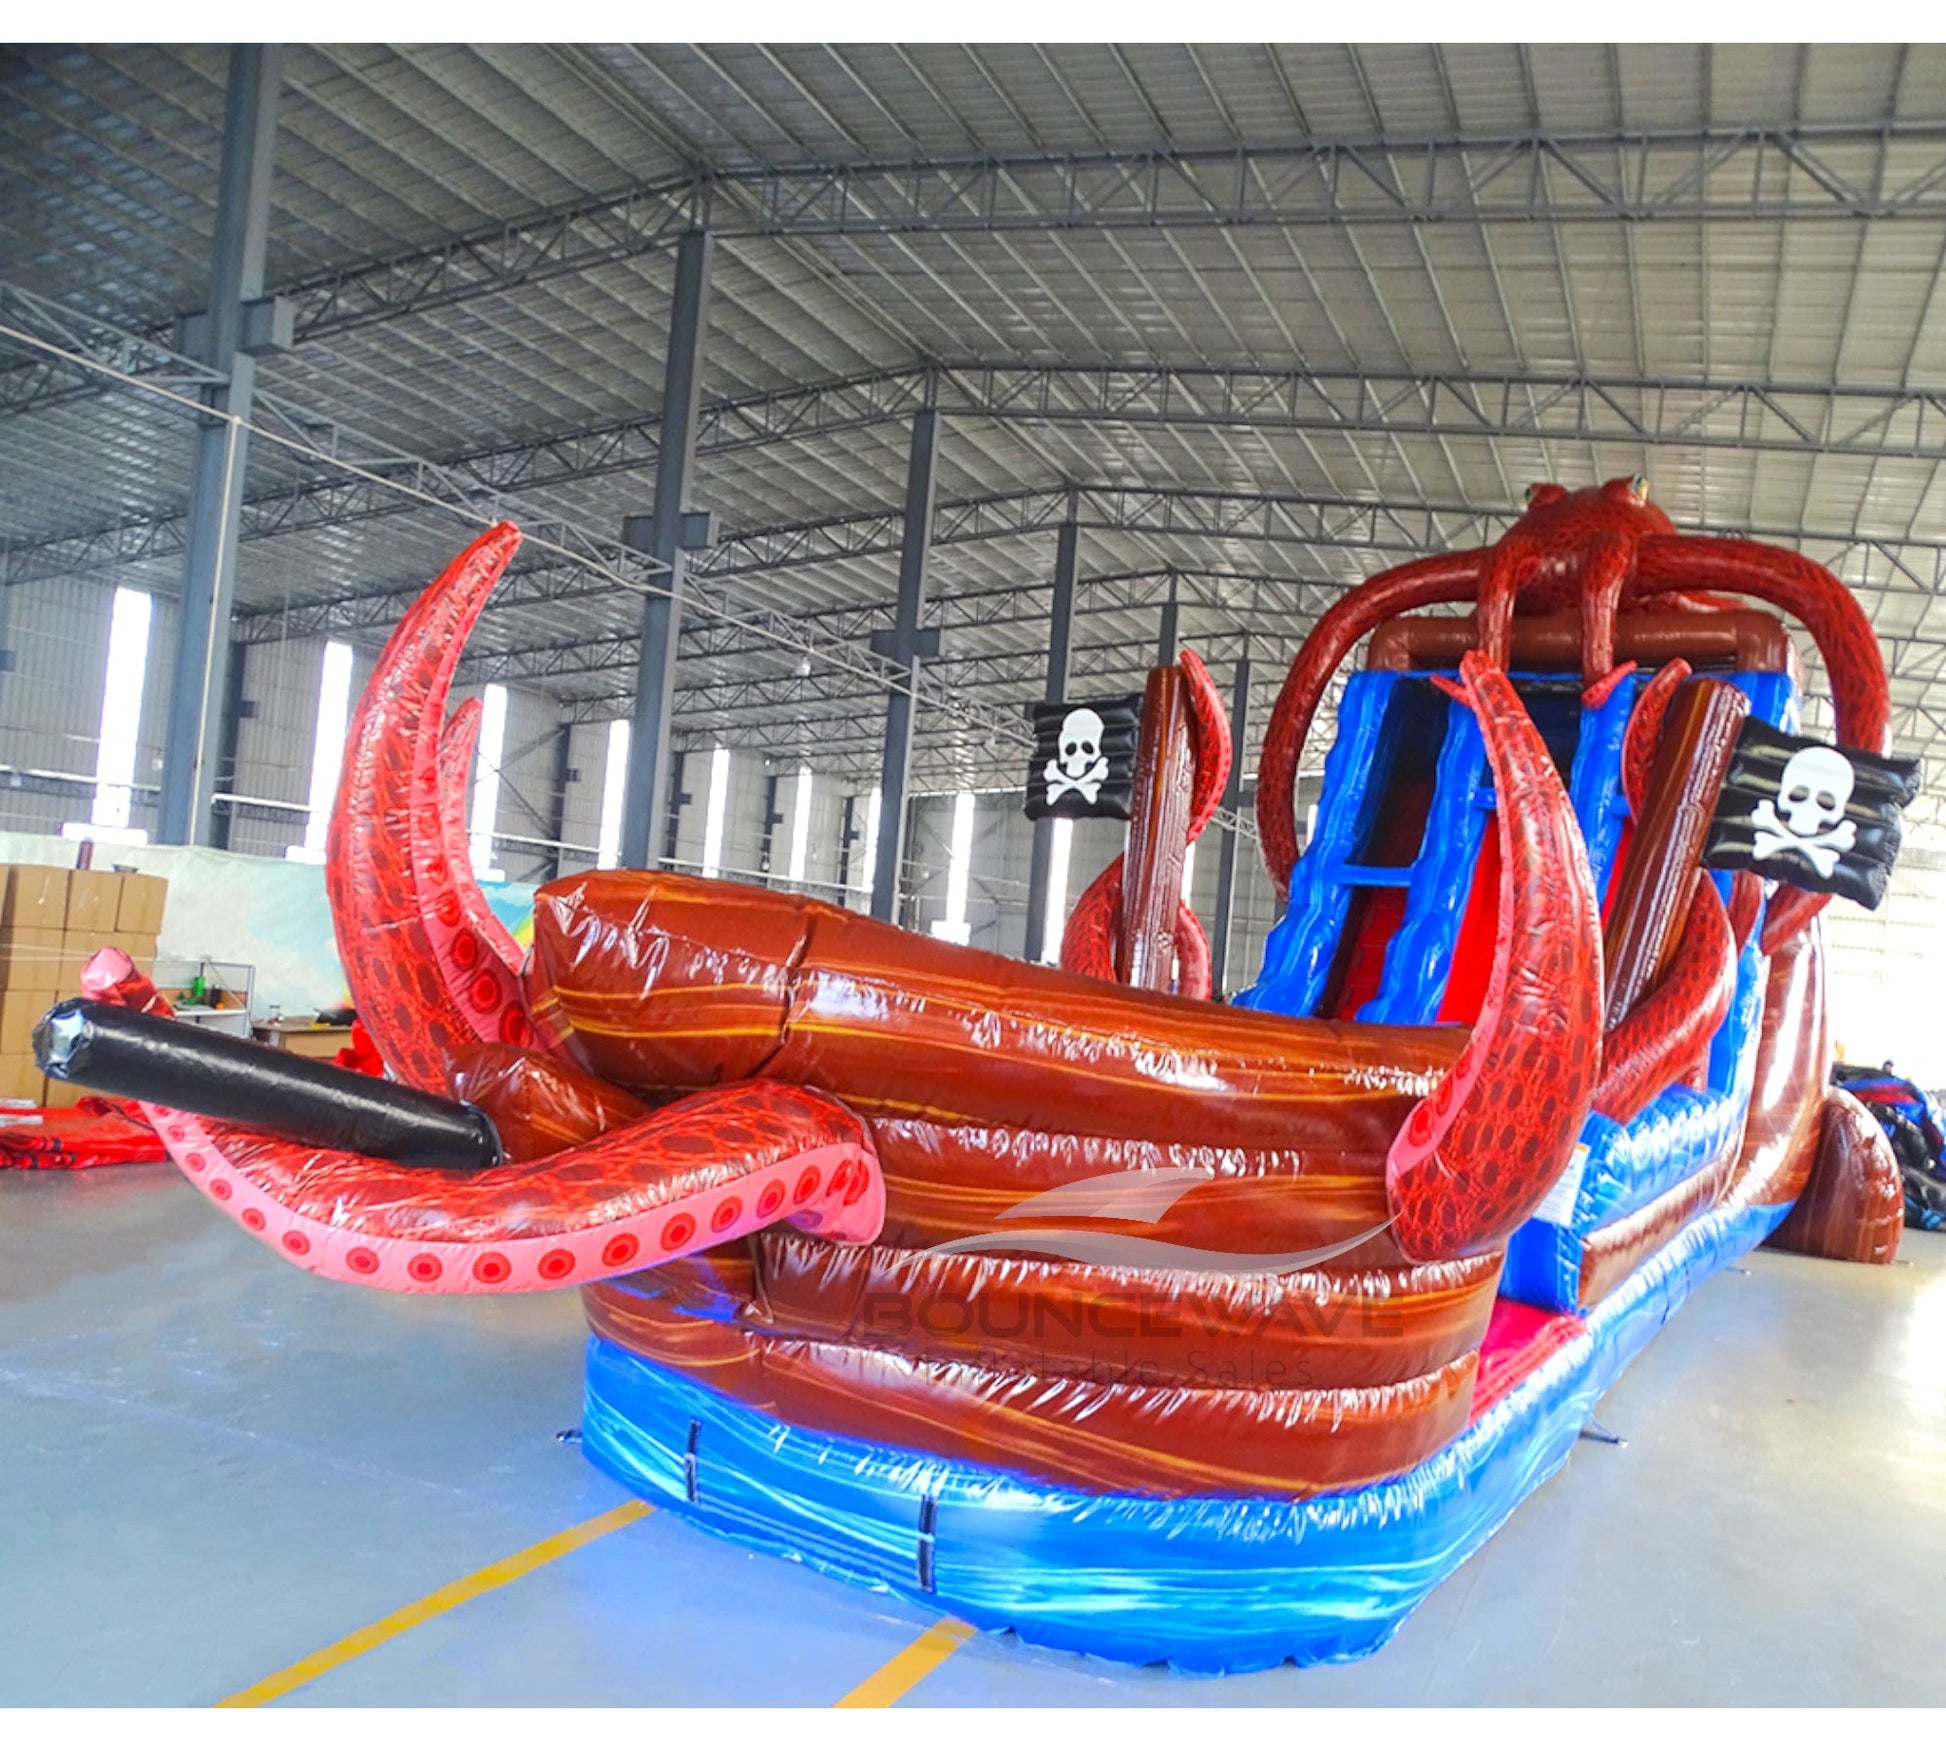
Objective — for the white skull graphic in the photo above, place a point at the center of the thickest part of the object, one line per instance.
(1812, 794)
(1079, 763)
(1080, 741)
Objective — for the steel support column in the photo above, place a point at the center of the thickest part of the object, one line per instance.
(907, 645)
(557, 812)
(767, 840)
(679, 799)
(199, 679)
(663, 540)
(1060, 639)
(1166, 640)
(1226, 868)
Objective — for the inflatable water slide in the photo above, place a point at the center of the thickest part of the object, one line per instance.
(1075, 1301)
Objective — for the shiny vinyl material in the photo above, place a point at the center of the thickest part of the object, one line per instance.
(669, 983)
(1680, 1139)
(1853, 1206)
(700, 1062)
(1120, 1432)
(1208, 1583)
(1300, 949)
(1683, 1138)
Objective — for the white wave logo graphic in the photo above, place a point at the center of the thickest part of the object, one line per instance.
(1136, 1195)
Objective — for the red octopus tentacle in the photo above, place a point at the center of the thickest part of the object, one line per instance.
(1446, 577)
(711, 1168)
(1671, 1026)
(1830, 613)
(1687, 601)
(458, 743)
(110, 976)
(423, 982)
(1479, 1153)
(1746, 900)
(1644, 733)
(1595, 697)
(484, 988)
(1192, 955)
(1790, 912)
(1838, 626)
(1209, 739)
(1088, 939)
(1611, 559)
(1510, 565)
(539, 1103)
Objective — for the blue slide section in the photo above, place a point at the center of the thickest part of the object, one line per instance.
(1301, 948)
(1297, 956)
(1620, 1169)
(1208, 1584)
(1683, 1132)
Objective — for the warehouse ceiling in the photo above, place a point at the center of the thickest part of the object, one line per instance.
(1262, 320)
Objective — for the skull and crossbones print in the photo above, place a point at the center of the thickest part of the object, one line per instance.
(1815, 787)
(1079, 764)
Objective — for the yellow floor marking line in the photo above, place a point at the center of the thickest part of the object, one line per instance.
(508, 1568)
(919, 1660)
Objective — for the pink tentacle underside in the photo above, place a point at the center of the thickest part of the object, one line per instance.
(643, 1195)
(713, 1167)
(458, 743)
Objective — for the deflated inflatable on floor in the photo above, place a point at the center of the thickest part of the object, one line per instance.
(1067, 1300)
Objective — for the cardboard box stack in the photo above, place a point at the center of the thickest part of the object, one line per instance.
(51, 921)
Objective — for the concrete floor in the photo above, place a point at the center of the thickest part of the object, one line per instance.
(213, 1465)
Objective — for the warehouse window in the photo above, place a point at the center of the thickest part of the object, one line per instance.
(327, 750)
(1060, 846)
(719, 798)
(614, 781)
(959, 866)
(801, 824)
(121, 724)
(486, 782)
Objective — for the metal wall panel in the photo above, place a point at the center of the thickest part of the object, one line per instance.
(276, 734)
(581, 808)
(50, 702)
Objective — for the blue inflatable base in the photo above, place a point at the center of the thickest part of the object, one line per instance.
(1206, 1584)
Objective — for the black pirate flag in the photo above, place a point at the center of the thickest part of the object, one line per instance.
(1084, 759)
(1807, 813)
